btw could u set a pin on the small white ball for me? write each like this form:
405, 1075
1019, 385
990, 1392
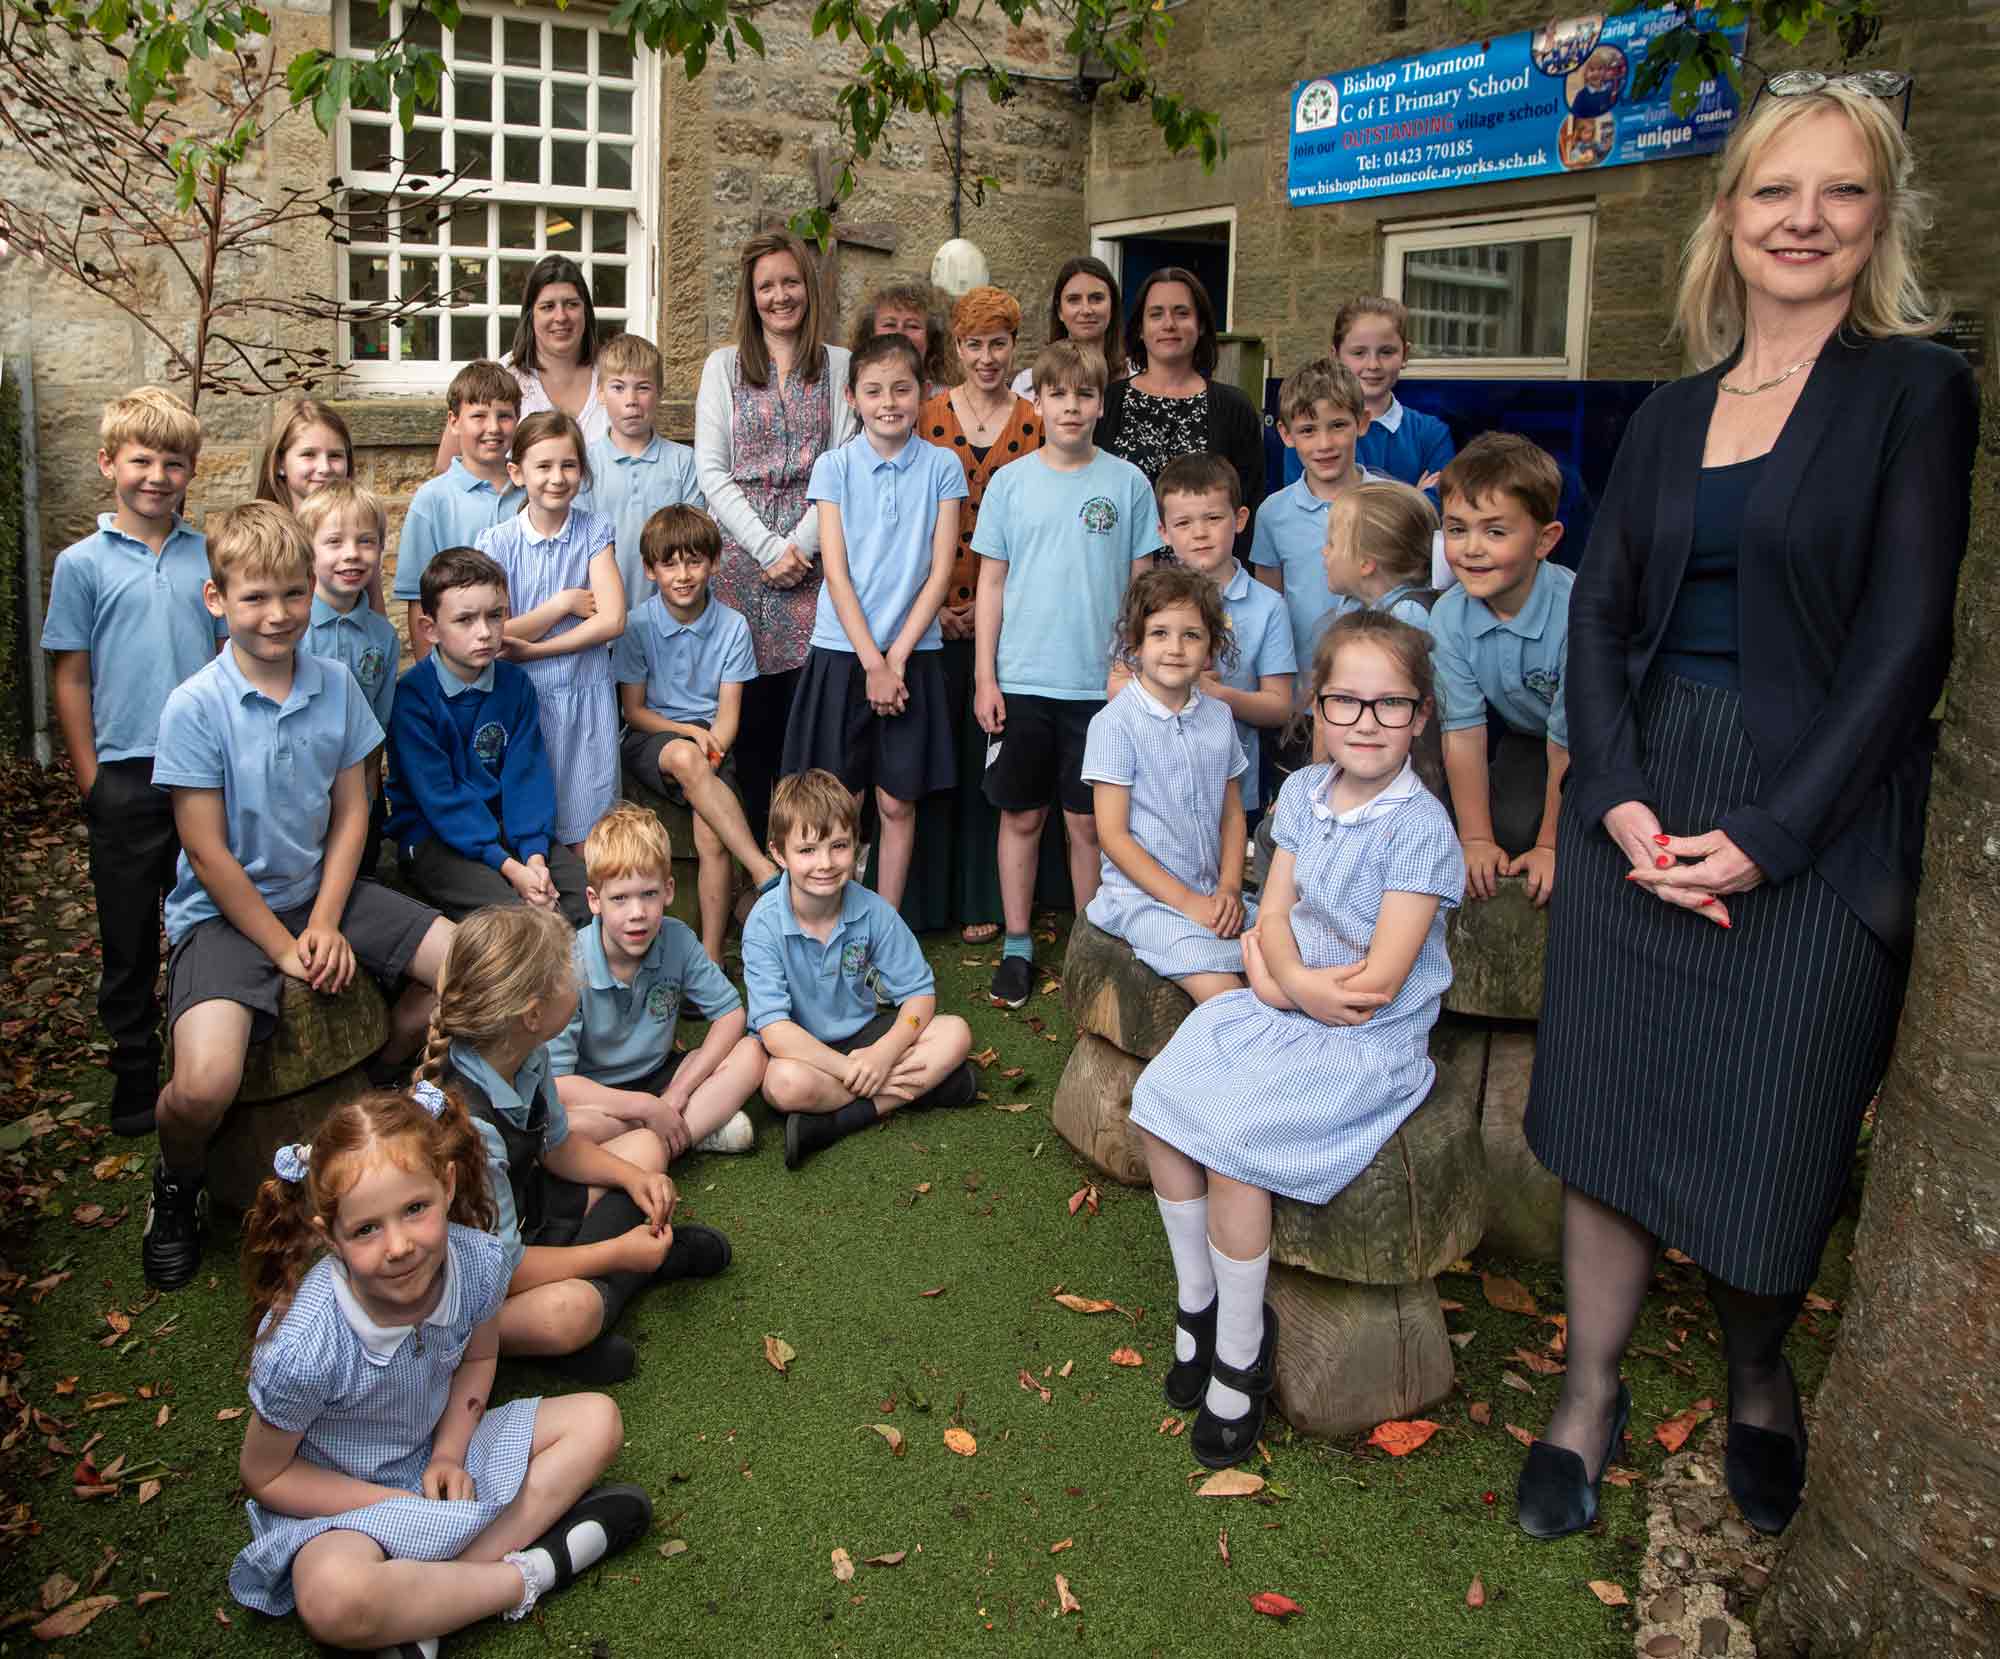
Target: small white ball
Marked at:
958, 267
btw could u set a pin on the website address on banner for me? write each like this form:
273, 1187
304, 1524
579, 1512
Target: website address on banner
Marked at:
1325, 189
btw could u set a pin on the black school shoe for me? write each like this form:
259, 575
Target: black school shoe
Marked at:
176, 1214
606, 1358
1220, 1442
696, 1253
1187, 1379
625, 1512
1013, 982
955, 1088
807, 1133
1556, 1494
1765, 1470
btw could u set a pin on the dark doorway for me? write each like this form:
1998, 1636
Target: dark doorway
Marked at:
1202, 249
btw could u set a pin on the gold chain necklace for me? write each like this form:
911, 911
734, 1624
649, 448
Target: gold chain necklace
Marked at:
1766, 385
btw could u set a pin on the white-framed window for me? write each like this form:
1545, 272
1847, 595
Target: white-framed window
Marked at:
1501, 295
545, 119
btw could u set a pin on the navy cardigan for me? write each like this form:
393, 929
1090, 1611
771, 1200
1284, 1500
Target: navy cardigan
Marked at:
1850, 552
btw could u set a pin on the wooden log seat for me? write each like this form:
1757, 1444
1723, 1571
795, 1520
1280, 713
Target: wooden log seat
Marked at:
679, 822
1524, 1202
1496, 947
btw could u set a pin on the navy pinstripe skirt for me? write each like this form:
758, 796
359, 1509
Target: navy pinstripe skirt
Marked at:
1707, 1082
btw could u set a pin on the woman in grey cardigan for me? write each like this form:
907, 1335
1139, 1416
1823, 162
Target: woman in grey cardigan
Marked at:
769, 404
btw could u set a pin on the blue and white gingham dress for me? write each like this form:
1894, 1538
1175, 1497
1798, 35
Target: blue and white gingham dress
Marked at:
578, 700
1272, 1097
373, 1416
1177, 767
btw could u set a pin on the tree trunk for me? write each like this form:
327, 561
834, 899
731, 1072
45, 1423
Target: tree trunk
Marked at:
1895, 1550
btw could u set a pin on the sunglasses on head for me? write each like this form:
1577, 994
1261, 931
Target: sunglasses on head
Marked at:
1872, 83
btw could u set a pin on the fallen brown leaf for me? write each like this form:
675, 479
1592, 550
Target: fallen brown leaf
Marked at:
104, 1402
1475, 1592
223, 1618
1127, 1357
1520, 1434
1060, 1545
673, 1547
1172, 1427
1084, 1304
1480, 1412
1619, 1475
1508, 1295
1065, 1602
892, 1434
1230, 1483
779, 1352
957, 1440
1540, 1364
1222, 1545
160, 1419
118, 1322
65, 1385
1069, 1365
146, 1598
1673, 1433
985, 1057
57, 1588
893, 1559
148, 1490
73, 1619
1612, 1595
1518, 1383
1399, 1439
843, 1565
936, 1290
229, 1414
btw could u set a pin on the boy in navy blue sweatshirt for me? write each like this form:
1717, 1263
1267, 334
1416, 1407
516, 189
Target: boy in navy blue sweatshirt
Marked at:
472, 795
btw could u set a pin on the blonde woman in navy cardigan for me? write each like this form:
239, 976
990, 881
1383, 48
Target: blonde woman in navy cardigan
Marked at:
1759, 631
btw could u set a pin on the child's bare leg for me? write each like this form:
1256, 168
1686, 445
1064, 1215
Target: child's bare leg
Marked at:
1084, 854
1203, 986
1175, 1175
1016, 850
210, 1040
551, 1319
576, 1438
933, 1057
596, 1124
1239, 1217
715, 803
724, 1091
410, 1018
794, 1086
896, 846
715, 886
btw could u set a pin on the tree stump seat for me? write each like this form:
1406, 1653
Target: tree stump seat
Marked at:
310, 1062
1497, 947
679, 823
1361, 1333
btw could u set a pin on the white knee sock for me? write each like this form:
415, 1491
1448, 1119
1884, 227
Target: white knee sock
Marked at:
1239, 1323
585, 1544
1186, 1222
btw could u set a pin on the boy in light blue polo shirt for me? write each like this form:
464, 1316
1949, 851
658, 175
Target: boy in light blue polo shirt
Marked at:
126, 624
474, 493
681, 666
1500, 642
263, 750
1321, 416
346, 524
633, 471
615, 1064
871, 706
1061, 534
840, 994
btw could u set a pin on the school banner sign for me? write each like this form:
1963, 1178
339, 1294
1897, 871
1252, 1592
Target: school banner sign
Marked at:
1557, 99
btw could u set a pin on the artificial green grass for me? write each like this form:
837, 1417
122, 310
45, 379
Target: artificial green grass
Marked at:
763, 1475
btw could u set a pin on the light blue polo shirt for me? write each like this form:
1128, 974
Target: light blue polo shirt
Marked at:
448, 511
888, 517
1515, 666
629, 489
140, 616
1068, 540
621, 1032
1263, 633
365, 640
833, 989
274, 763
684, 665
1289, 535
512, 1097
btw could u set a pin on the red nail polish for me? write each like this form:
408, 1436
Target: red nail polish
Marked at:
1726, 922
1664, 862
1662, 840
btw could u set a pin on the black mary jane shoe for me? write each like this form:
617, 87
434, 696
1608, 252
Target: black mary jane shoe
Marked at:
1556, 1495
1187, 1379
623, 1511
1221, 1442
1765, 1470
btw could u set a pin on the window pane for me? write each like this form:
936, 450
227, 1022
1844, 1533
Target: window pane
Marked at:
572, 49
424, 147
421, 221
607, 287
564, 230
472, 40
523, 102
614, 167
368, 343
418, 279
368, 277
614, 57
468, 281
572, 107
607, 231
517, 225
468, 338
1489, 299
367, 25
567, 168
368, 146
472, 155
420, 339
524, 44
524, 160
474, 95
614, 111
513, 282
368, 217
466, 228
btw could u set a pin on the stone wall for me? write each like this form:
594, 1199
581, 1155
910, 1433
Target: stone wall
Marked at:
1294, 266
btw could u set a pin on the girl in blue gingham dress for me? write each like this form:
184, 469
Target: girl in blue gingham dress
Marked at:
1164, 763
567, 605
387, 1504
1292, 1085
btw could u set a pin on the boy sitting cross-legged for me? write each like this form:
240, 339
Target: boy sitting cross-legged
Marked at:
821, 954
681, 665
126, 624
263, 750
615, 1064
473, 799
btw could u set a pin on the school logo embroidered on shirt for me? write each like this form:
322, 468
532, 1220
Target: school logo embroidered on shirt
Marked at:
489, 743
1099, 515
854, 958
370, 668
1544, 683
660, 1002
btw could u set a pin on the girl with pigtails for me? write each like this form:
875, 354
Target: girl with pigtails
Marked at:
388, 1505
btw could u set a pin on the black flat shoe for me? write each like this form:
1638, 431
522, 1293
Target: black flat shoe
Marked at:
1765, 1470
1187, 1379
624, 1512
606, 1358
696, 1253
1556, 1494
805, 1134
1221, 1442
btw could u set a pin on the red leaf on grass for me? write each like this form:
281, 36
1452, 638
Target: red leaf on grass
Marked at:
1399, 1439
1269, 1602
1127, 1356
1475, 1592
